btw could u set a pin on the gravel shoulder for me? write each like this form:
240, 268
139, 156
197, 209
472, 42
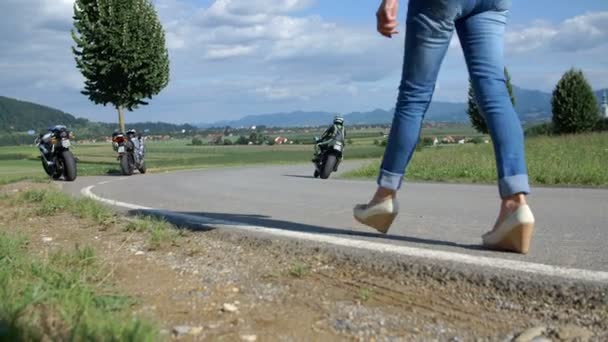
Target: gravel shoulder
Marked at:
227, 286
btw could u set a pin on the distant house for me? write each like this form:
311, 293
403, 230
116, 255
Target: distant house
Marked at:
281, 140
215, 139
448, 140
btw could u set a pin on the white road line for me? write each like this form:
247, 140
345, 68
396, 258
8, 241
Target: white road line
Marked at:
497, 263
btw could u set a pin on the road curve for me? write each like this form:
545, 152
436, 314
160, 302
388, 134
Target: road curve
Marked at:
436, 220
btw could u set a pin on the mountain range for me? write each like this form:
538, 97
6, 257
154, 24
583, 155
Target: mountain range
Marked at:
532, 106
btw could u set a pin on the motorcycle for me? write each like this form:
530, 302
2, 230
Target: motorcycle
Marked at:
328, 158
130, 153
57, 159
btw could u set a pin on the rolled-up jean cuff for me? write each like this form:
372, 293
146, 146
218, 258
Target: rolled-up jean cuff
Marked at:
513, 185
390, 180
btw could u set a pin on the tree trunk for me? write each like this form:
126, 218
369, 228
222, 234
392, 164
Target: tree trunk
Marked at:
121, 118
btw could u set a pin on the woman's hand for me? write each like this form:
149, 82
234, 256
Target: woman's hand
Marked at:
387, 17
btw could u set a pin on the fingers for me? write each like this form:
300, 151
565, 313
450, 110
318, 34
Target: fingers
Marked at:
387, 27
387, 19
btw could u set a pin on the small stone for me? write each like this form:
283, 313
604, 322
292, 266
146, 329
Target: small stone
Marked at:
530, 334
181, 330
140, 253
231, 308
164, 332
196, 331
249, 338
572, 332
235, 290
47, 239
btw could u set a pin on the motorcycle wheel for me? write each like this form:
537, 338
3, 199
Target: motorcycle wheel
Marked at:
69, 166
328, 166
126, 164
142, 168
49, 170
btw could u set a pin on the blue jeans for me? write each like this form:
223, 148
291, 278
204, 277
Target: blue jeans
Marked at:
480, 25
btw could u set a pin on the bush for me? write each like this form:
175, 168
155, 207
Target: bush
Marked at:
349, 141
602, 125
540, 129
477, 140
196, 141
242, 140
227, 142
575, 107
376, 142
383, 143
427, 141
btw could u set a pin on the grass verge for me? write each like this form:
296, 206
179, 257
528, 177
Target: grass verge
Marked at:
566, 160
66, 295
61, 298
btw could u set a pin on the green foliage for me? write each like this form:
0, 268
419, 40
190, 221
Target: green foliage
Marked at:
426, 141
197, 141
545, 128
477, 140
21, 116
242, 140
575, 107
602, 125
477, 119
120, 50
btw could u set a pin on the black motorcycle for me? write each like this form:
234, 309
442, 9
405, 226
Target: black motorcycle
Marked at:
328, 158
130, 154
57, 159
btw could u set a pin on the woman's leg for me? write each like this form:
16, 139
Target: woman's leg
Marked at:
426, 42
482, 40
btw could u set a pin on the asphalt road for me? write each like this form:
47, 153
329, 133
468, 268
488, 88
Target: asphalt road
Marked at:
571, 231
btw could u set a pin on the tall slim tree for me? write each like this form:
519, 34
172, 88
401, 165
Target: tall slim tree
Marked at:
477, 120
120, 50
575, 107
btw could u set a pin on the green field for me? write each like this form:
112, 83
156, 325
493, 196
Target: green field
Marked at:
19, 162
565, 160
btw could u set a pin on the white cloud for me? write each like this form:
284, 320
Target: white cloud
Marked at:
236, 57
224, 52
587, 31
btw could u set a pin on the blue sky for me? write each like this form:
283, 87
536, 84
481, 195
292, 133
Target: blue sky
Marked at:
232, 58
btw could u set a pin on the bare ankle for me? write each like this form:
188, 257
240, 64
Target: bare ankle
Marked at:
383, 194
514, 201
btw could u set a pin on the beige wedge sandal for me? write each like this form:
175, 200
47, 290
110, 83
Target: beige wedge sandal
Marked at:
379, 216
514, 233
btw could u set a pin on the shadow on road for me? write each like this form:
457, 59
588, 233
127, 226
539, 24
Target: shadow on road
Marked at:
299, 176
201, 221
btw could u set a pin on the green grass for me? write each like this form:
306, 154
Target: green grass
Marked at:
22, 162
160, 232
52, 202
62, 298
65, 297
365, 294
566, 160
298, 270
